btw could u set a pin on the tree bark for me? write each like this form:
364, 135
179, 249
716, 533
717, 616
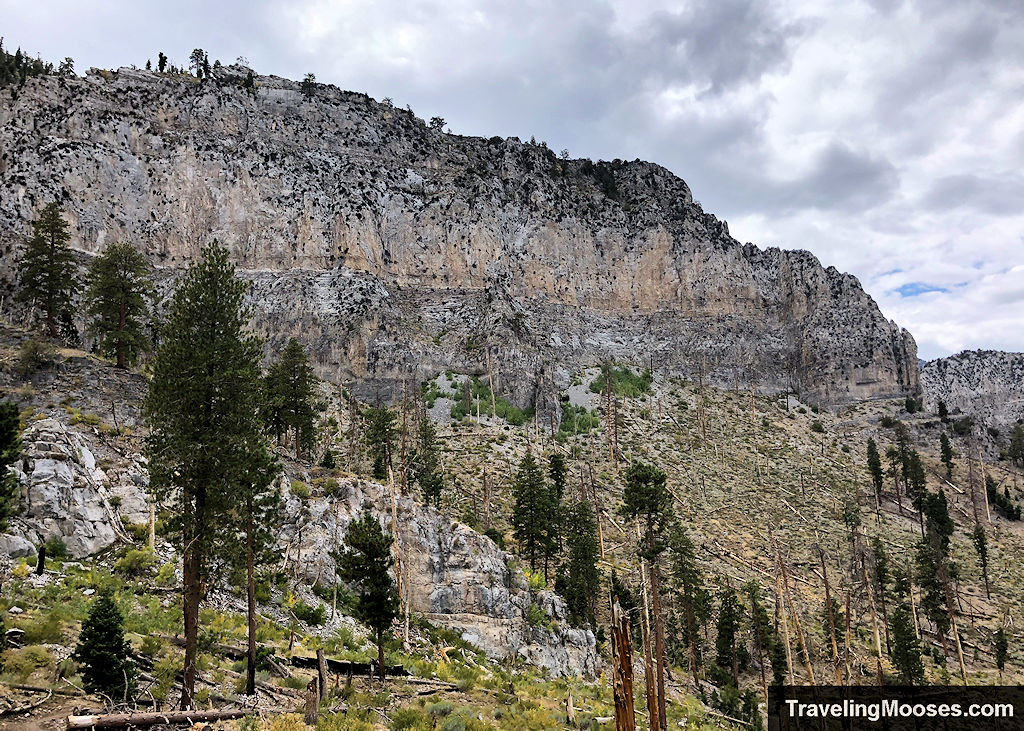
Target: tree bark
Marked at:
121, 720
250, 596
622, 671
191, 570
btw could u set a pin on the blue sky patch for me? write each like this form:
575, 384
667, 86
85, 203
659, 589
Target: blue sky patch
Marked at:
913, 289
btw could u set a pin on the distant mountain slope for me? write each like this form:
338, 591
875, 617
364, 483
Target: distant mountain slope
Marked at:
987, 383
396, 250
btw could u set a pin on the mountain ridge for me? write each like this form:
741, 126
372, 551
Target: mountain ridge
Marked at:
398, 250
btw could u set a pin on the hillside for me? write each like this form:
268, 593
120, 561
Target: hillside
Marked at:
396, 250
756, 480
986, 383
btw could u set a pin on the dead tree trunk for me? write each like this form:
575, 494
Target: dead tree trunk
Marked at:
622, 670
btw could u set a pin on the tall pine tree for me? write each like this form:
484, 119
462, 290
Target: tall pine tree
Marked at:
532, 512
364, 565
47, 271
205, 440
296, 382
380, 439
117, 301
579, 581
426, 467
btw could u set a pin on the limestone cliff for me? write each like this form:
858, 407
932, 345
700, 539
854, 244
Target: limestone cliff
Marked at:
986, 383
396, 250
457, 578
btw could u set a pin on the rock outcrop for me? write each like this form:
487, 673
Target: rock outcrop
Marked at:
397, 251
986, 383
457, 578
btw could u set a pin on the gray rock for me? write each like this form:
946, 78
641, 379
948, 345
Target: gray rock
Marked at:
396, 252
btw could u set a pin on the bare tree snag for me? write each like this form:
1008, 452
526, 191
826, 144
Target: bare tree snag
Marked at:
831, 620
321, 673
622, 670
796, 623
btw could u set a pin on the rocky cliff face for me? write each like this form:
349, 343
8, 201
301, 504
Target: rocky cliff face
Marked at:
457, 578
986, 383
397, 251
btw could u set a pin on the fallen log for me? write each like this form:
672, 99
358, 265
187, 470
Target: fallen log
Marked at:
120, 720
40, 689
346, 667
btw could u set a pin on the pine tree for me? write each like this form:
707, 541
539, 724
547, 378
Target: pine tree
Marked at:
10, 452
426, 469
380, 439
875, 467
104, 653
730, 613
532, 511
687, 582
161, 62
293, 383
943, 411
906, 650
1016, 450
255, 522
557, 471
981, 546
947, 454
47, 271
364, 566
204, 442
579, 580
308, 86
646, 498
117, 301
1002, 650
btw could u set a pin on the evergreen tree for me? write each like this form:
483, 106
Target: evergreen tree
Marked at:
47, 271
426, 468
875, 467
1016, 450
729, 616
104, 653
204, 442
255, 520
380, 439
579, 580
627, 600
308, 86
294, 382
161, 62
916, 480
906, 650
532, 511
981, 546
117, 301
10, 452
364, 566
557, 472
646, 498
767, 643
690, 592
943, 411
195, 61
1002, 650
271, 407
947, 454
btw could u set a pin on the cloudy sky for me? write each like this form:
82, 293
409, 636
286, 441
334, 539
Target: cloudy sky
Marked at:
885, 136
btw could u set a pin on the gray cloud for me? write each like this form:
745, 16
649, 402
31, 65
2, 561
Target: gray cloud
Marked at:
996, 196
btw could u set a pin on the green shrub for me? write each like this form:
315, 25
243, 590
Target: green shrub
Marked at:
165, 576
300, 489
136, 562
310, 615
22, 663
33, 355
151, 646
42, 630
623, 381
56, 548
410, 719
816, 426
